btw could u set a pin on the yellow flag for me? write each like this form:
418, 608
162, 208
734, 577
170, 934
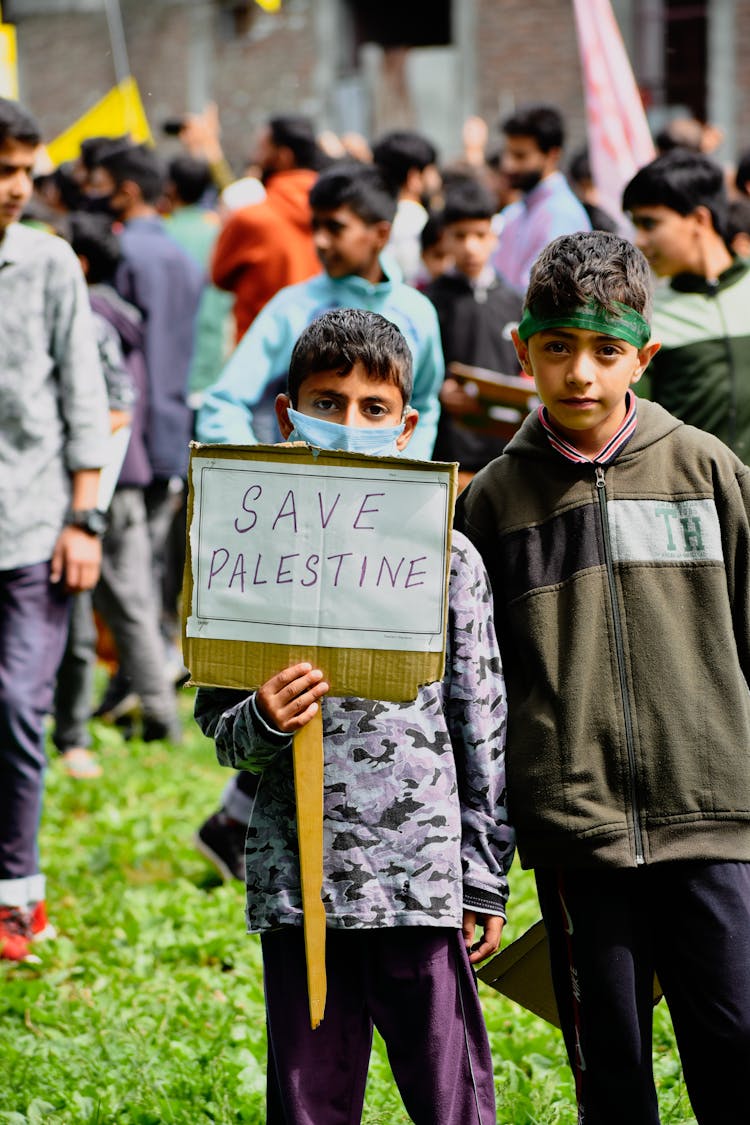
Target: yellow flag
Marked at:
269, 5
8, 62
119, 111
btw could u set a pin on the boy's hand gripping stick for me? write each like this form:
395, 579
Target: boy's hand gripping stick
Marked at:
308, 785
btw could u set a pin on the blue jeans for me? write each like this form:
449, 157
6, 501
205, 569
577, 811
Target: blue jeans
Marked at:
33, 631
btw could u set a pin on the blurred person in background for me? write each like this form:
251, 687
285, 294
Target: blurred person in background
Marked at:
268, 245
54, 438
407, 160
679, 207
195, 227
582, 182
477, 311
165, 284
123, 595
531, 155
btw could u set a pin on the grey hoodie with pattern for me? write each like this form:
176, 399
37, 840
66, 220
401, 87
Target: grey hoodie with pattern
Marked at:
415, 826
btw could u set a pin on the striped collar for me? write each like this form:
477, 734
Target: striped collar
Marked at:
608, 452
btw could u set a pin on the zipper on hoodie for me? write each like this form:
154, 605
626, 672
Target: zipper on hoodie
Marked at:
601, 492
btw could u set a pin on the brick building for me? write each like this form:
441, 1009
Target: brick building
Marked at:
370, 64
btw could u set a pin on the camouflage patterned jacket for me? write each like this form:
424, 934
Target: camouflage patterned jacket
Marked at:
415, 827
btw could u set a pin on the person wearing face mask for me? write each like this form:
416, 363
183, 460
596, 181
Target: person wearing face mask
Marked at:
408, 910
548, 208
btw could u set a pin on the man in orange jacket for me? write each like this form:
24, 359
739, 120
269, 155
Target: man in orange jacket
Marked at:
268, 245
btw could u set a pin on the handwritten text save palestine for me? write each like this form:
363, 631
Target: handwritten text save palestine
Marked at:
238, 570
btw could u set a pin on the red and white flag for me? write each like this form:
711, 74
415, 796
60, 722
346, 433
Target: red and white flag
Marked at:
619, 138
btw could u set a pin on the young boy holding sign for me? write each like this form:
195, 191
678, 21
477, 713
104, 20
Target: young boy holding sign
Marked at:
417, 839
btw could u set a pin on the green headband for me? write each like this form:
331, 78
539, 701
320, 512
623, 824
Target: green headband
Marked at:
625, 323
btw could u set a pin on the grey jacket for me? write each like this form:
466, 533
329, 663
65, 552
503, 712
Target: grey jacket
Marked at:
415, 827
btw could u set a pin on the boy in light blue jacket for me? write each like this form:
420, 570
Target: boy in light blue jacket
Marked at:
352, 214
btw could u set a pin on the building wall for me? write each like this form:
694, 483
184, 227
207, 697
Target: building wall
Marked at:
527, 52
742, 75
66, 64
508, 52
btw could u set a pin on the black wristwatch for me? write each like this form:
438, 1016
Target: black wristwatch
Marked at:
90, 520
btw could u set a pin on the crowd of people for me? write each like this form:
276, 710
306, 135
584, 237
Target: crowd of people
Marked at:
145, 302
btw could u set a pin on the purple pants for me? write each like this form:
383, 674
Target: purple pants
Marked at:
609, 931
33, 630
415, 984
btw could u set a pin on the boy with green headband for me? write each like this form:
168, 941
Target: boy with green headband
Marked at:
617, 540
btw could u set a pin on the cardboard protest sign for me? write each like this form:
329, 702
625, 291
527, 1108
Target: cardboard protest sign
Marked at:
333, 557
521, 972
336, 558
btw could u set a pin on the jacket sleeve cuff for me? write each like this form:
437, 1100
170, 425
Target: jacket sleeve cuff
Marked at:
483, 902
268, 733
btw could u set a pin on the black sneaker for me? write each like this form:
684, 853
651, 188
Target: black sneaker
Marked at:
155, 730
118, 702
222, 841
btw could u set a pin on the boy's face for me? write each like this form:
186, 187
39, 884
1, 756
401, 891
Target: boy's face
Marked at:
670, 242
350, 400
16, 167
582, 378
471, 242
438, 258
347, 244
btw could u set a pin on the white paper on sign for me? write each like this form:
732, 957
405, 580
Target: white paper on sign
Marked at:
340, 556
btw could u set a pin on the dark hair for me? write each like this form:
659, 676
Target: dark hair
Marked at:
467, 199
191, 177
680, 132
396, 153
360, 187
432, 231
739, 218
17, 125
65, 183
589, 266
542, 122
579, 169
296, 132
92, 237
140, 165
94, 149
340, 338
742, 179
682, 181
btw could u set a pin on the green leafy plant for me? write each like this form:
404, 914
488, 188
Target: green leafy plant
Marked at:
148, 1007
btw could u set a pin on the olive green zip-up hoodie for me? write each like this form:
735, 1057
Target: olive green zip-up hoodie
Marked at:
622, 602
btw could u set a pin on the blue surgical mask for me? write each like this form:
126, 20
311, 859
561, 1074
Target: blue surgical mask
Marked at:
379, 441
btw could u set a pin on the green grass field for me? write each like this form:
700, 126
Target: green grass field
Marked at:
148, 1008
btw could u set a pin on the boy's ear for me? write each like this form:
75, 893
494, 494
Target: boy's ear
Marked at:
411, 417
645, 355
131, 190
522, 350
382, 231
703, 217
281, 406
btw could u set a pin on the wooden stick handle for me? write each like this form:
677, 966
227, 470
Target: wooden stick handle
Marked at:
308, 784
